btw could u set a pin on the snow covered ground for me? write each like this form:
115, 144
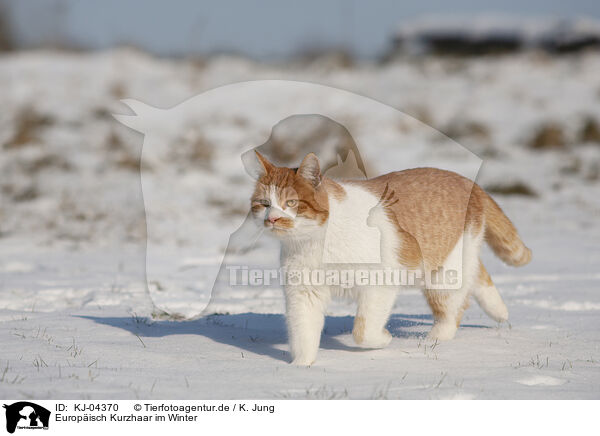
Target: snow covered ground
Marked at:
75, 315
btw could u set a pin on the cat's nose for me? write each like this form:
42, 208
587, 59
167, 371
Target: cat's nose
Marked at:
272, 219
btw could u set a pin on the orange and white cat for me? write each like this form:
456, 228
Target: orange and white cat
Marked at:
420, 219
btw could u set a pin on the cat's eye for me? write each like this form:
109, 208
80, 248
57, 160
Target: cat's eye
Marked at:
291, 203
262, 202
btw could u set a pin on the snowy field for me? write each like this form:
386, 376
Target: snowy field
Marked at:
76, 317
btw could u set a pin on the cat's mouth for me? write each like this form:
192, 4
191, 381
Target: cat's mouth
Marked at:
280, 225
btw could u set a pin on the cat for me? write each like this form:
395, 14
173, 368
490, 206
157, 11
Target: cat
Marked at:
420, 219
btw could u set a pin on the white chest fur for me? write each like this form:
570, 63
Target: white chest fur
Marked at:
356, 233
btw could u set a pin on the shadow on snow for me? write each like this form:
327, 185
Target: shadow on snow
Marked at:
260, 333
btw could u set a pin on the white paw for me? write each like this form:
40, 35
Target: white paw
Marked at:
501, 313
380, 340
442, 332
303, 361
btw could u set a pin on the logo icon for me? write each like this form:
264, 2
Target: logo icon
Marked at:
26, 415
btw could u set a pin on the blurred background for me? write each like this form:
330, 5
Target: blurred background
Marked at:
274, 30
517, 83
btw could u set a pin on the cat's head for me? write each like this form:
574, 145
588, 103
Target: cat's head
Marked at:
290, 203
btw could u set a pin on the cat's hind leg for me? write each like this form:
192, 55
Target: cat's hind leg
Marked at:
487, 296
450, 298
374, 307
448, 307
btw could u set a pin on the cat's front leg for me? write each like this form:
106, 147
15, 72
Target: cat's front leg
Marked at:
305, 316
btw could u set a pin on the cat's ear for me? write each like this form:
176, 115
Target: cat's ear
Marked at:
256, 164
310, 170
266, 166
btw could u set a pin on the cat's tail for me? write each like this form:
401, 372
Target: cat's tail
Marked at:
501, 235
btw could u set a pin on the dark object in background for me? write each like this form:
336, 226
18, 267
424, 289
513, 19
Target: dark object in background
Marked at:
558, 46
547, 136
477, 36
464, 45
511, 188
590, 132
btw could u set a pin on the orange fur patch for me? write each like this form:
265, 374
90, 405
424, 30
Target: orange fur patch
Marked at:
334, 189
437, 303
432, 210
484, 276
